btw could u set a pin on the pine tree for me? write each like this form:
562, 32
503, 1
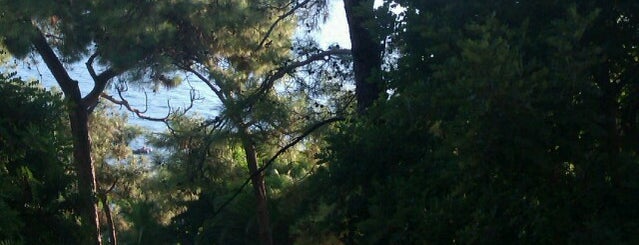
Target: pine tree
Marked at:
129, 39
509, 122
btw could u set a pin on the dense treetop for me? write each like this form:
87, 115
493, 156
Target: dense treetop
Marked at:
479, 122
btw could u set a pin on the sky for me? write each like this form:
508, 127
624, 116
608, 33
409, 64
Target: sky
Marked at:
335, 30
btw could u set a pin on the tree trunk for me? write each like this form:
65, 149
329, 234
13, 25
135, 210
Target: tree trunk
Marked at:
109, 218
366, 50
79, 120
257, 180
78, 117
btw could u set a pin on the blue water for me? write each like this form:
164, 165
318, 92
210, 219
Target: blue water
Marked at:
157, 100
142, 96
334, 30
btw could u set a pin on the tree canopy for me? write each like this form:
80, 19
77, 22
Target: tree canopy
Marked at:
35, 178
508, 122
449, 122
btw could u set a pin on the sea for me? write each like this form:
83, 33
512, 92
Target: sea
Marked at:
157, 101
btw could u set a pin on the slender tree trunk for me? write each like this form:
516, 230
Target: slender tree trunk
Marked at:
109, 218
78, 117
259, 188
79, 120
366, 50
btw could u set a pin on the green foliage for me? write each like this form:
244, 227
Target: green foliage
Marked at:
204, 169
36, 200
120, 174
111, 135
4, 55
145, 40
255, 115
198, 172
508, 123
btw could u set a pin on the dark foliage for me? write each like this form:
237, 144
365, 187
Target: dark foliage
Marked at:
36, 191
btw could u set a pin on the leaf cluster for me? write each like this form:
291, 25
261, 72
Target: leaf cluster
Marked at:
36, 178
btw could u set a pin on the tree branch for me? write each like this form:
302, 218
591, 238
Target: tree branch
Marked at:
125, 103
272, 159
100, 82
279, 73
140, 114
68, 85
279, 19
107, 191
206, 81
89, 65
315, 57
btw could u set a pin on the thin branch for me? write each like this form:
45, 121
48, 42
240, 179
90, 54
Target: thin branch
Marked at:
140, 114
267, 5
297, 140
146, 102
112, 186
89, 65
206, 81
207, 145
279, 19
100, 81
192, 97
125, 103
315, 57
282, 71
272, 159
